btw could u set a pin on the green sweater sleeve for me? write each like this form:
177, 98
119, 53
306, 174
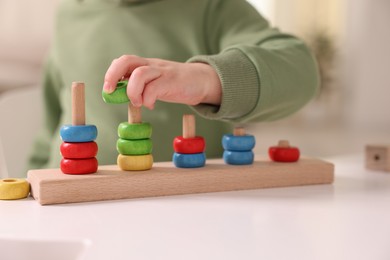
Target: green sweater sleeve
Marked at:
265, 74
52, 111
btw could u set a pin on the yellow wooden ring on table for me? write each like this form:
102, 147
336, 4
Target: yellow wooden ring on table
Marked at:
14, 189
135, 162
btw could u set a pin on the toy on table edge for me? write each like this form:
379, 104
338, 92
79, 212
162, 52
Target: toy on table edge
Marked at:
189, 148
134, 144
14, 188
377, 157
283, 152
238, 147
51, 186
78, 148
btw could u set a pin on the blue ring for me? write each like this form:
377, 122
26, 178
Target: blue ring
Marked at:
238, 143
194, 160
238, 158
78, 133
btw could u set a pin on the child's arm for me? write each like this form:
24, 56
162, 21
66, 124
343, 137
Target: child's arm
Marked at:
156, 79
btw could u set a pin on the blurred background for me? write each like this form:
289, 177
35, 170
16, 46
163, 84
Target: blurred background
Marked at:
350, 38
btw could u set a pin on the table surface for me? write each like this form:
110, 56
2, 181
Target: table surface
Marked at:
347, 220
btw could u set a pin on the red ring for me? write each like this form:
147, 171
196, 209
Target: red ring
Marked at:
193, 145
79, 166
78, 150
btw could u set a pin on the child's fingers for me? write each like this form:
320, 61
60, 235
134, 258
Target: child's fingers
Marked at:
151, 93
140, 77
119, 68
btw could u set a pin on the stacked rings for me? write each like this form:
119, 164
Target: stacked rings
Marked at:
189, 152
134, 146
78, 149
238, 149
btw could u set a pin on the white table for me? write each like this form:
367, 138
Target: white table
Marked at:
347, 220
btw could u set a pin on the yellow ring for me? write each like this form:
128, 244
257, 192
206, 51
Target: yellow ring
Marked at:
14, 189
135, 162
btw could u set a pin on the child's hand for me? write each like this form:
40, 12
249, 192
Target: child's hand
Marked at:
156, 79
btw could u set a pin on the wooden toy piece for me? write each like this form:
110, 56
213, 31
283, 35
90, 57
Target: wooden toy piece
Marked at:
183, 145
234, 142
134, 131
189, 129
79, 166
119, 95
134, 114
78, 150
194, 160
135, 162
134, 144
284, 152
50, 186
78, 103
13, 189
189, 148
238, 147
238, 157
377, 157
134, 147
78, 133
239, 131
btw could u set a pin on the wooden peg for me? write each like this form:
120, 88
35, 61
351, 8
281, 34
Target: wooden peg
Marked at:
78, 103
134, 114
239, 131
283, 143
189, 126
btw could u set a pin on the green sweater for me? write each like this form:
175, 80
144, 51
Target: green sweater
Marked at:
265, 74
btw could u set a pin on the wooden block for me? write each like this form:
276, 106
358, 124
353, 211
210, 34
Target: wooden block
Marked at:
378, 157
50, 186
78, 103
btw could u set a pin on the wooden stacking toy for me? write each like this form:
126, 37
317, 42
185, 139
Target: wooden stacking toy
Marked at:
78, 148
134, 144
238, 147
189, 148
283, 152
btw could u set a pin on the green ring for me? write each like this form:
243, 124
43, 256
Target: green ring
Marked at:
134, 131
134, 147
119, 95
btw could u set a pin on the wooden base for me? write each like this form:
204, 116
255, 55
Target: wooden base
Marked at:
51, 186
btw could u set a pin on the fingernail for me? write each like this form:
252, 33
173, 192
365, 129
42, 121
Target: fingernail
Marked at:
107, 87
136, 103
